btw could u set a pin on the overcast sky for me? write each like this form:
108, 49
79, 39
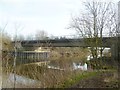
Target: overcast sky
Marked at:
52, 16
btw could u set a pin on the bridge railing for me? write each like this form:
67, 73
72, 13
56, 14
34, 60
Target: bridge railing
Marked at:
80, 36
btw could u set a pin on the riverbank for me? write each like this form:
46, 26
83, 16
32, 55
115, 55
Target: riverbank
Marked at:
60, 79
104, 79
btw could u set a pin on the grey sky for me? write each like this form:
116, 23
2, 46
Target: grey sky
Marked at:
52, 16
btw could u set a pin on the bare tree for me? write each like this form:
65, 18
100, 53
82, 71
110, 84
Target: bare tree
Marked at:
99, 18
41, 35
5, 42
20, 37
5, 57
29, 37
18, 28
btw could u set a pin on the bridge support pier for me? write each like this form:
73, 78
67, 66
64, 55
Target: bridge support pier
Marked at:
115, 51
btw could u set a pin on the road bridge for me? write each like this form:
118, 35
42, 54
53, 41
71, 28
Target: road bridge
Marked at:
111, 42
106, 42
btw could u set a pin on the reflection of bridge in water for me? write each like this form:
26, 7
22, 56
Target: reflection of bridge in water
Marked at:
111, 42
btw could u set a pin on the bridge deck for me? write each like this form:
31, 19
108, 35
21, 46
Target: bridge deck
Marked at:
106, 42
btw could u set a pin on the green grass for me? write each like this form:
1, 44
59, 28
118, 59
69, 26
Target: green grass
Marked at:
76, 78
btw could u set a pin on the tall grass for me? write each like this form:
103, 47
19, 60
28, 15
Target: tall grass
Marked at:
50, 77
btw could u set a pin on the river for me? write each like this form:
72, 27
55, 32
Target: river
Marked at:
8, 81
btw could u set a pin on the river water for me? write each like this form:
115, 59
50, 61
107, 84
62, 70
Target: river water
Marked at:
8, 81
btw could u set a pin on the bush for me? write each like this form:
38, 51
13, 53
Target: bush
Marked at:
102, 63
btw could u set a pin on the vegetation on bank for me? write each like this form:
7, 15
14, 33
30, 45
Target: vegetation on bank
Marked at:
103, 63
82, 76
103, 79
55, 78
75, 78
